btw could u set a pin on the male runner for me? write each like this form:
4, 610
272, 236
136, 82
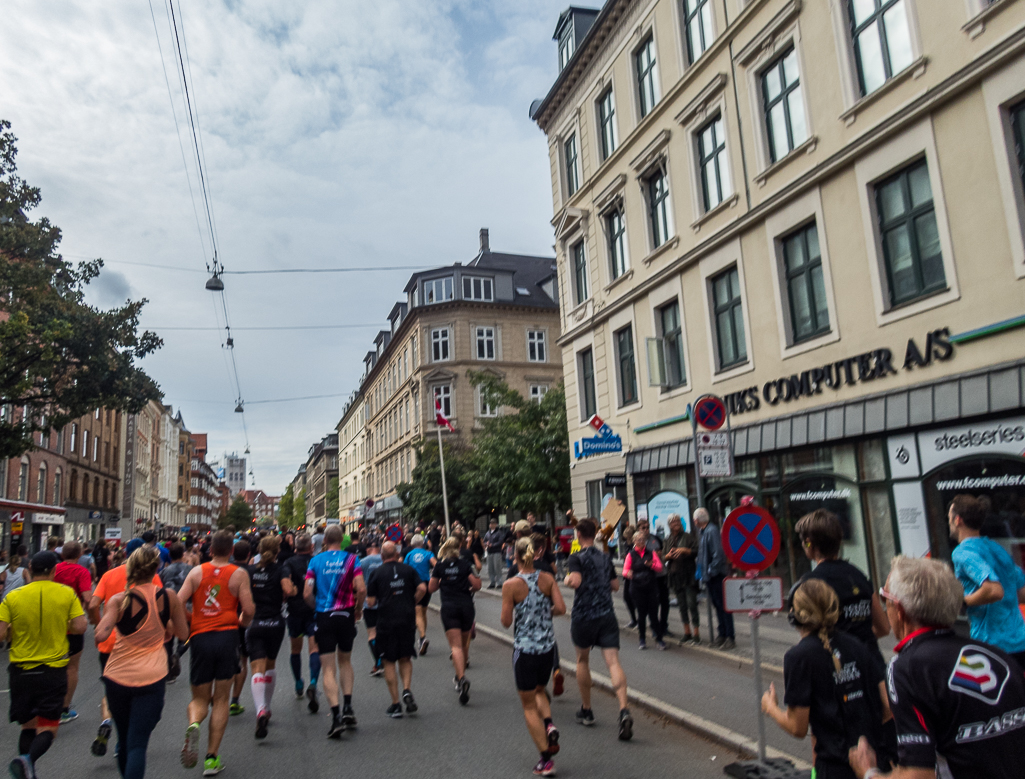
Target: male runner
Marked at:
369, 564
301, 619
422, 561
395, 588
217, 589
593, 623
335, 590
73, 575
41, 615
240, 555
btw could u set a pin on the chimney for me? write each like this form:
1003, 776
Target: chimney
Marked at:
485, 244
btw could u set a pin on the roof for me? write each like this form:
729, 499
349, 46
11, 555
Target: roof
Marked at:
528, 272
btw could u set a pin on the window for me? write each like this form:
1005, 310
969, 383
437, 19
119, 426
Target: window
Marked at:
478, 289
658, 208
443, 393
96, 449
607, 124
806, 290
41, 484
698, 23
715, 175
729, 319
538, 391
57, 484
438, 290
439, 344
911, 242
485, 343
60, 441
85, 443
96, 414
413, 349
627, 371
1017, 113
585, 366
485, 409
536, 346
579, 271
784, 106
74, 438
672, 344
647, 87
882, 41
566, 44
572, 171
615, 232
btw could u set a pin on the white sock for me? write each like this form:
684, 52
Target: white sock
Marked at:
259, 692
270, 677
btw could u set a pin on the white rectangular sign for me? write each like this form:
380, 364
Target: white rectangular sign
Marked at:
912, 527
999, 436
714, 462
47, 519
762, 594
112, 534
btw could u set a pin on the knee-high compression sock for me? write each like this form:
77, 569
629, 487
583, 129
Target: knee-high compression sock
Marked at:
297, 666
259, 684
25, 740
40, 744
314, 667
270, 677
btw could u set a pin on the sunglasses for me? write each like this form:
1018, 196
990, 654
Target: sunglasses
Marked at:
885, 596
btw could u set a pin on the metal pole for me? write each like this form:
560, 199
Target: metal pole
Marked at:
758, 685
701, 504
444, 489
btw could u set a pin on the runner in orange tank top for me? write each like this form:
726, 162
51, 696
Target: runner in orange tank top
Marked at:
221, 602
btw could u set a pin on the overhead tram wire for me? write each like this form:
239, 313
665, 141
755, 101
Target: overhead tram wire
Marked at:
265, 271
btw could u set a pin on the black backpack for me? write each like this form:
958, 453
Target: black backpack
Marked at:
643, 575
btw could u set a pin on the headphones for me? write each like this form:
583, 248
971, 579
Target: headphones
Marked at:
791, 615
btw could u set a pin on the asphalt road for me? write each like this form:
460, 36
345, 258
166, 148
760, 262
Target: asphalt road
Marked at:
487, 738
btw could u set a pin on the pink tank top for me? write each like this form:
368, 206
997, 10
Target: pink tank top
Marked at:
139, 659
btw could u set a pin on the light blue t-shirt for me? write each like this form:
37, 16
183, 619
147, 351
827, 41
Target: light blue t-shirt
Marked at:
976, 561
420, 561
369, 564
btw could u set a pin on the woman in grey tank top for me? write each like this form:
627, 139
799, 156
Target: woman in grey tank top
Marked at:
529, 601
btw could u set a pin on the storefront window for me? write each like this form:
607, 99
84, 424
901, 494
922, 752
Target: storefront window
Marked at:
837, 459
837, 495
880, 521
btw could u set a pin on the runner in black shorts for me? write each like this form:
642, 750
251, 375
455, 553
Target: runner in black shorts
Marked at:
455, 577
370, 563
240, 557
267, 631
301, 619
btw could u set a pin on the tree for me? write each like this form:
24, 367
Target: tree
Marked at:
238, 514
520, 460
60, 358
421, 498
286, 509
299, 510
332, 497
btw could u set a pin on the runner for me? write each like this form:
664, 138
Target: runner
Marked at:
240, 556
456, 579
422, 561
217, 590
395, 588
593, 623
336, 590
532, 598
135, 674
544, 561
267, 631
39, 617
15, 575
70, 573
301, 619
368, 565
173, 577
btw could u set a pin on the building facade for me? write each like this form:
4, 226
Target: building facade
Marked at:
814, 211
92, 450
264, 506
235, 473
352, 460
321, 474
204, 498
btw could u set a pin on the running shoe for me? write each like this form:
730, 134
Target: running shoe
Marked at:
395, 711
642, 645
662, 646
585, 716
213, 766
687, 638
407, 698
68, 715
21, 768
311, 696
377, 671
262, 720
464, 691
632, 625
176, 668
626, 725
348, 716
299, 689
99, 746
235, 709
190, 752
455, 683
337, 726
558, 682
696, 640
424, 643
728, 644
544, 768
553, 738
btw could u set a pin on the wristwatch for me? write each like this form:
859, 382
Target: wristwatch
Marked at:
872, 772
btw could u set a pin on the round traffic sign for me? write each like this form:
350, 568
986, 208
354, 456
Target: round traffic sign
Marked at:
710, 412
750, 538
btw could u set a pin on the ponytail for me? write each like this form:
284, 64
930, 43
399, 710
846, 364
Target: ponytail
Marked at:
269, 547
816, 608
142, 566
525, 552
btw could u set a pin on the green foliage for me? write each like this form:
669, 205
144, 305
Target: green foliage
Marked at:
286, 509
332, 498
299, 510
61, 358
238, 514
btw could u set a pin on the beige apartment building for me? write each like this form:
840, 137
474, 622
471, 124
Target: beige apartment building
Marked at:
352, 459
814, 211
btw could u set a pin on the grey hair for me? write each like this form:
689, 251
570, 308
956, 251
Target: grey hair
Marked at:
417, 541
701, 516
674, 518
927, 590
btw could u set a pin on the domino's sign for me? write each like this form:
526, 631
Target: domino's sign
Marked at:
606, 442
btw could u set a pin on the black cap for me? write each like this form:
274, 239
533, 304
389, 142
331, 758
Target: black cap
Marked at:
44, 561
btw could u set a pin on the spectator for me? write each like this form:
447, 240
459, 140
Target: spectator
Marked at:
494, 540
713, 565
640, 568
993, 584
661, 578
681, 553
958, 703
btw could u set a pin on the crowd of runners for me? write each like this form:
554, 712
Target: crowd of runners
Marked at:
945, 705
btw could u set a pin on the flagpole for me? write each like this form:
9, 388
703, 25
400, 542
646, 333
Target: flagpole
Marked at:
444, 489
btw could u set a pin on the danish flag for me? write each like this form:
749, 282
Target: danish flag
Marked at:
439, 416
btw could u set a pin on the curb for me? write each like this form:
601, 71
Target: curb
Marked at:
693, 722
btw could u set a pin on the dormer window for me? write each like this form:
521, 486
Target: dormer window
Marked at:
566, 44
438, 290
476, 288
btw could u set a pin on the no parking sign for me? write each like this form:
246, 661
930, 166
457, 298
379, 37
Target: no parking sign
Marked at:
750, 538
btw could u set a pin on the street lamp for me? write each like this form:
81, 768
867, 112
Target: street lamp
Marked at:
238, 408
214, 283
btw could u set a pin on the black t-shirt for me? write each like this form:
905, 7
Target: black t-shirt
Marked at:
266, 586
593, 598
546, 563
295, 569
959, 700
844, 705
394, 585
454, 579
434, 539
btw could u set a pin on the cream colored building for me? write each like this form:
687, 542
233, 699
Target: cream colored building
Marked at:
352, 459
816, 212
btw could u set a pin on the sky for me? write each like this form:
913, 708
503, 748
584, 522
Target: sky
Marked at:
335, 134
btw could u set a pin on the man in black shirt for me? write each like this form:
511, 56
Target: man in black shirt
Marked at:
395, 589
959, 704
302, 620
593, 622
